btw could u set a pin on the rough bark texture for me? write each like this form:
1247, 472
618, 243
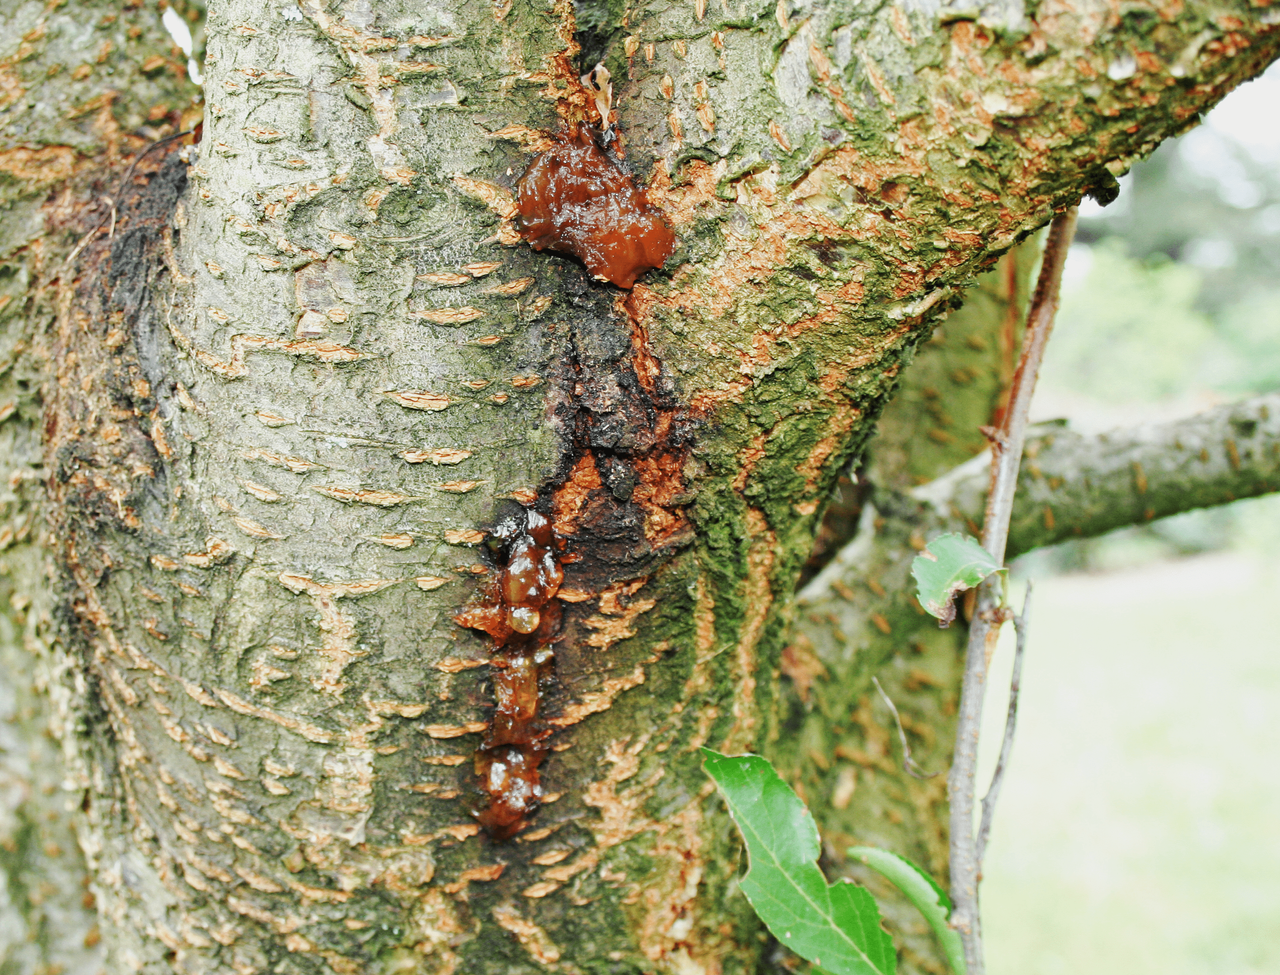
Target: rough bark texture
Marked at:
82, 86
289, 377
959, 381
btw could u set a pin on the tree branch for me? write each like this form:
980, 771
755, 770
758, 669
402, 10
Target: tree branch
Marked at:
1091, 484
1008, 442
1076, 486
1010, 726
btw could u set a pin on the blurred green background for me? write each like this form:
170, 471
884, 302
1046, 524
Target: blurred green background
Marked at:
1139, 827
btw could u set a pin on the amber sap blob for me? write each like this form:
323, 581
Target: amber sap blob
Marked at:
520, 613
574, 199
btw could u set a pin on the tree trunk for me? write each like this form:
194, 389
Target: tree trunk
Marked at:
280, 396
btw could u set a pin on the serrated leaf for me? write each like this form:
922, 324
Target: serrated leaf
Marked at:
923, 892
835, 926
950, 564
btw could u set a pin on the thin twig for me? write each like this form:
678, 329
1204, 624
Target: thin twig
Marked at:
1006, 452
990, 613
908, 763
1010, 726
111, 200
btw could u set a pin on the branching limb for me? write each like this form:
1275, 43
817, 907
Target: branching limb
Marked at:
1077, 486
1091, 484
1071, 485
1074, 485
1010, 726
1006, 448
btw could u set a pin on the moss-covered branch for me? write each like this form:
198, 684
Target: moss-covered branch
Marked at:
1074, 485
1070, 485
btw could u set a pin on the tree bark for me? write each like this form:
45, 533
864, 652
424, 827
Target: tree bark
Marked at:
277, 388
83, 86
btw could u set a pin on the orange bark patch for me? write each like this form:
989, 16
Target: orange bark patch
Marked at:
610, 630
680, 202
802, 666
48, 164
570, 498
661, 481
837, 429
600, 700
758, 598
669, 896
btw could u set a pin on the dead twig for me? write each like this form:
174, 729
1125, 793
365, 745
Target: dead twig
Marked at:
990, 613
112, 200
908, 763
1010, 725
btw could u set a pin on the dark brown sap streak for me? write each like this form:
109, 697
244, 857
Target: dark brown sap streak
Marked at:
573, 198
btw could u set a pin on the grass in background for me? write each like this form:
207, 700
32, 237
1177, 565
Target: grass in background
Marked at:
1137, 831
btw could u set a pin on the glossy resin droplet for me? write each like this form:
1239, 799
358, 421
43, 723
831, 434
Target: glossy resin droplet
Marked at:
520, 613
574, 199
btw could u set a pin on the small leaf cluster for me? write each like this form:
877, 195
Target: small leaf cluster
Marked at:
834, 926
949, 565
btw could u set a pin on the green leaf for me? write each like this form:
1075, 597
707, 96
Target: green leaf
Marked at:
835, 926
948, 565
923, 891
